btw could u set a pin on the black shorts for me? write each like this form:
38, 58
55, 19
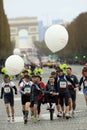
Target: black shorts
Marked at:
24, 99
34, 101
64, 98
72, 94
9, 99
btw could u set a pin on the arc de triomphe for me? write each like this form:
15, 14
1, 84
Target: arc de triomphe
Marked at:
30, 24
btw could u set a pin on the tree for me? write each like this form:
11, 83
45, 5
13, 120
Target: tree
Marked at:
5, 43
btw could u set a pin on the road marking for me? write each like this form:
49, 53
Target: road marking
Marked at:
17, 99
80, 93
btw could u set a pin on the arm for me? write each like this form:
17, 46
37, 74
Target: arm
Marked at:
80, 83
71, 81
20, 88
12, 84
15, 89
76, 83
2, 92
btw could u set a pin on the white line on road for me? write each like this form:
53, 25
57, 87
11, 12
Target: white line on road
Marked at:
17, 99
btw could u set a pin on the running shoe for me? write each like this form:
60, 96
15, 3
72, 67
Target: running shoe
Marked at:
67, 115
60, 114
9, 119
35, 120
13, 118
25, 121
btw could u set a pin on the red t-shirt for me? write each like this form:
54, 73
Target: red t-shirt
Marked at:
42, 85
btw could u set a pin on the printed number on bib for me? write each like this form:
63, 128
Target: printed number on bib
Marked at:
27, 90
85, 83
62, 84
7, 90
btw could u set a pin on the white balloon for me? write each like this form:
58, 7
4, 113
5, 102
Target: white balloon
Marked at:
56, 37
16, 51
14, 64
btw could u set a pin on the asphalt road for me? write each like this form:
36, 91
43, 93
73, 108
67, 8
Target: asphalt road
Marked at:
79, 122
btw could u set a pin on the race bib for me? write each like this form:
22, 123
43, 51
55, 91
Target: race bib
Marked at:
85, 82
27, 90
7, 90
62, 84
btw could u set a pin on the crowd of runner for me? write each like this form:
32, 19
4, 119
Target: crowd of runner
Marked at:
60, 90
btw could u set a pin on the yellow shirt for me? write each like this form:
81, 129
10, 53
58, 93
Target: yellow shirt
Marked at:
64, 67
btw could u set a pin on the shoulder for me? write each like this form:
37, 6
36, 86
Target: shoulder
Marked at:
31, 83
73, 76
3, 84
21, 84
12, 83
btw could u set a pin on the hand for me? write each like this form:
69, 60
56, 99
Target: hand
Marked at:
75, 89
1, 97
16, 92
51, 92
56, 94
79, 88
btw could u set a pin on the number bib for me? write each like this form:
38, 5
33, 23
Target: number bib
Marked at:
7, 90
27, 90
85, 82
62, 84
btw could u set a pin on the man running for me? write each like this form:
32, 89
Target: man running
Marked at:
72, 90
7, 91
25, 90
83, 81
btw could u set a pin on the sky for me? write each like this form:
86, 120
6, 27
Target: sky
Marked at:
45, 10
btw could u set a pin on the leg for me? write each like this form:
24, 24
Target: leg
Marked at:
12, 112
35, 110
23, 105
67, 97
70, 104
85, 98
26, 112
39, 108
7, 106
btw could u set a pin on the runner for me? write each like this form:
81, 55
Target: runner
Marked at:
25, 89
72, 90
42, 86
55, 75
7, 91
83, 81
35, 90
85, 66
62, 89
51, 93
